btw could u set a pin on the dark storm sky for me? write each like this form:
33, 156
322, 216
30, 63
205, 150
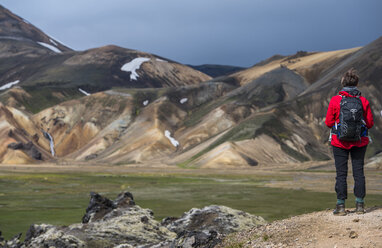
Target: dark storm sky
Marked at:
234, 32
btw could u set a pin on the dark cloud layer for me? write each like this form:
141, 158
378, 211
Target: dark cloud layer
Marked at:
240, 32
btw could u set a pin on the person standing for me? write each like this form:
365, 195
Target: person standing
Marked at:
349, 116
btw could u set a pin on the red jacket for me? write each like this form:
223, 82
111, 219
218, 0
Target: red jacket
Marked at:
333, 116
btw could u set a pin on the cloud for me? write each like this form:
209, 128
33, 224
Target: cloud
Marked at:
239, 32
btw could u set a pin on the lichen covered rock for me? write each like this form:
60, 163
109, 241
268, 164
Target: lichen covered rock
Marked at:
122, 224
106, 224
207, 227
221, 219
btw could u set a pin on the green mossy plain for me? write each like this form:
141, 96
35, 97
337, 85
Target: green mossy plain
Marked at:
61, 199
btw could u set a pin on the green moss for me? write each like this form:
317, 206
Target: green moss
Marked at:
194, 116
316, 155
293, 153
274, 128
265, 237
245, 130
42, 98
375, 147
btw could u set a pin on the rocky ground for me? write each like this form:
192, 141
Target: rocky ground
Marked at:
319, 229
123, 224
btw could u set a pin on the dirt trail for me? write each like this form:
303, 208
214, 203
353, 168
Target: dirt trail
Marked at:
318, 229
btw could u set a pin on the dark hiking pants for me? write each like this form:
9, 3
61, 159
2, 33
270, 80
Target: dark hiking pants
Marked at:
341, 156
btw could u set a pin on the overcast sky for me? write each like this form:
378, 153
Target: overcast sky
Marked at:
233, 32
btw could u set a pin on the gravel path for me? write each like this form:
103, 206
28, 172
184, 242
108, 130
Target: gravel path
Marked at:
318, 229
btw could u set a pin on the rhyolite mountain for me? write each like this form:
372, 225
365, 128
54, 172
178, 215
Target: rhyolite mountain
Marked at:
162, 112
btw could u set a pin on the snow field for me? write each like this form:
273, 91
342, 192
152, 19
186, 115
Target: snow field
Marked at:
173, 141
84, 92
133, 66
9, 85
53, 48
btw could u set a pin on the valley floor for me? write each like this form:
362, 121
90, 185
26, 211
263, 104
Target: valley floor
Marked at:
312, 176
58, 193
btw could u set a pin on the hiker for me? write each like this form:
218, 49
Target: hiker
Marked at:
349, 116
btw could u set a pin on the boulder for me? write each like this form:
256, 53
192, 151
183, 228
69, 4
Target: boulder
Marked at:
106, 224
207, 226
98, 207
221, 219
13, 243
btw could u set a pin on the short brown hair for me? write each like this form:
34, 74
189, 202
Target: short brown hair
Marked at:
350, 78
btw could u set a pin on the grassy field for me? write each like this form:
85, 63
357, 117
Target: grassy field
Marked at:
61, 199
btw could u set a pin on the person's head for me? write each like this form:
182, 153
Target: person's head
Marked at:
350, 78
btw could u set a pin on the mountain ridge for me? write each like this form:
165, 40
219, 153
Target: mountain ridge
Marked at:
113, 105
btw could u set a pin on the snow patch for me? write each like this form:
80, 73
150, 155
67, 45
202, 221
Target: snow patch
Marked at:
53, 48
53, 42
161, 60
26, 21
145, 102
183, 100
9, 85
84, 92
134, 65
56, 40
173, 141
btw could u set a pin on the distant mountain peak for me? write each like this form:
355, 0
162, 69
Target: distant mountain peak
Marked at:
13, 27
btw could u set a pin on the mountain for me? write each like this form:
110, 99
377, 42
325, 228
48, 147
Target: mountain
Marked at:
18, 37
284, 130
310, 65
51, 72
217, 70
112, 105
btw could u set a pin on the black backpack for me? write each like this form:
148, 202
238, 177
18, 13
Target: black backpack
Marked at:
351, 119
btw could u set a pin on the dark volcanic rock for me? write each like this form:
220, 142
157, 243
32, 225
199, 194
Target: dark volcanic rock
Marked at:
98, 207
13, 243
124, 199
207, 226
29, 148
200, 239
16, 146
34, 231
221, 219
108, 224
168, 220
91, 156
34, 153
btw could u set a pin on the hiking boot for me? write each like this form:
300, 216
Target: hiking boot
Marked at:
359, 207
339, 210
